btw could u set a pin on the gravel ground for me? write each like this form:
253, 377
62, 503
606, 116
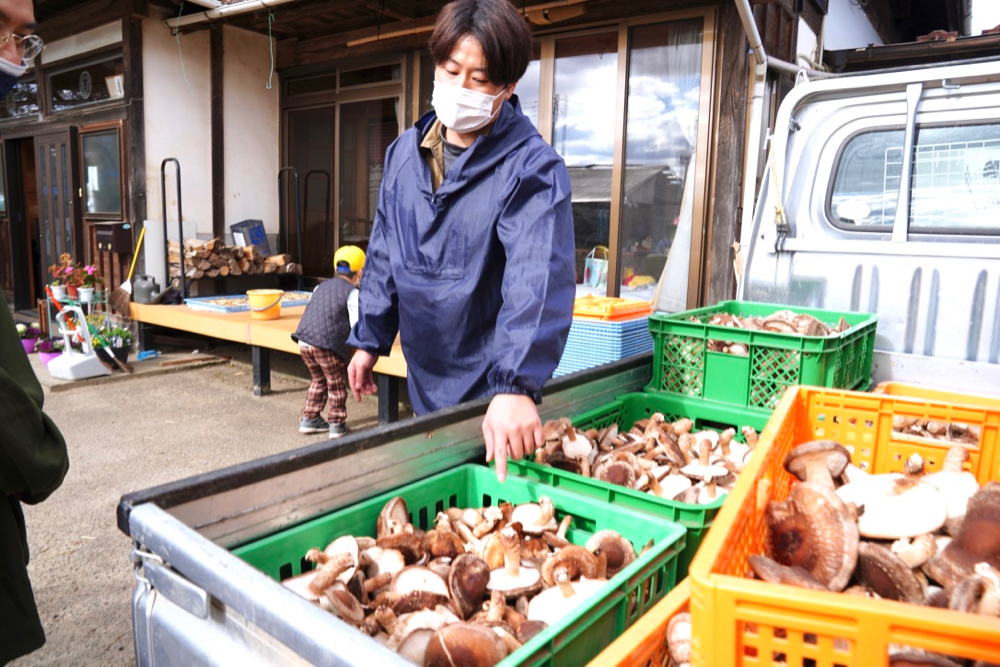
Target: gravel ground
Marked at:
129, 434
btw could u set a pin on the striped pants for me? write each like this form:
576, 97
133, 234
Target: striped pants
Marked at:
329, 379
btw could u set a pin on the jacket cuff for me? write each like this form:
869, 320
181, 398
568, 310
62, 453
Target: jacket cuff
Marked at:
519, 391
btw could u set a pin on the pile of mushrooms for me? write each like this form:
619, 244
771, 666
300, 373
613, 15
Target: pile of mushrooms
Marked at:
958, 432
782, 321
470, 590
665, 459
916, 537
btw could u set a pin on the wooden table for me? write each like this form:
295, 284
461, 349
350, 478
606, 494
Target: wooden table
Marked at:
263, 336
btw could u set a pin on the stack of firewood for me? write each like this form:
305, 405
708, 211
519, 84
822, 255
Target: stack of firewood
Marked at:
212, 259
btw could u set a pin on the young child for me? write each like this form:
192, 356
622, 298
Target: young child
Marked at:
322, 338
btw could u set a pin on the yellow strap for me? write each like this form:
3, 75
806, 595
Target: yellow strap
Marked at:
780, 219
142, 232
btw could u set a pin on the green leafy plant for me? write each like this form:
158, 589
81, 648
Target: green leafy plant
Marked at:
74, 274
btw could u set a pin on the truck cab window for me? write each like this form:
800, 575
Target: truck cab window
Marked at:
955, 185
866, 187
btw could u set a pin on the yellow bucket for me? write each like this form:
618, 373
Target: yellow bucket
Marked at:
265, 304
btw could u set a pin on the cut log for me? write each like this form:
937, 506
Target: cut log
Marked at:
270, 268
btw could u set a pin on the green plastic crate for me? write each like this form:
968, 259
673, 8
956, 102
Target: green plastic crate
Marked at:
625, 411
580, 635
682, 363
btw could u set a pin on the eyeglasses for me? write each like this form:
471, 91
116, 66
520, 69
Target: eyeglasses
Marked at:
28, 46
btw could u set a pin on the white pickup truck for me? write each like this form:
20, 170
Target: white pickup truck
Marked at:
890, 188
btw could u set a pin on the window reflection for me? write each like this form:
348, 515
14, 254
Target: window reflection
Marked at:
21, 101
102, 173
583, 132
661, 136
528, 87
366, 130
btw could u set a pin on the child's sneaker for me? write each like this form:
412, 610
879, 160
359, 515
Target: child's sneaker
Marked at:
315, 425
337, 430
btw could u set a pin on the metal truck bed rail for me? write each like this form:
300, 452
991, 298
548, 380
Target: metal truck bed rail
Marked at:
195, 602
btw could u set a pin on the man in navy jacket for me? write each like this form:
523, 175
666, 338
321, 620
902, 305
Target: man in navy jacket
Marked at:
471, 257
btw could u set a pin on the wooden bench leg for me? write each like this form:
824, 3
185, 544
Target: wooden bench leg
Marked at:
261, 370
388, 398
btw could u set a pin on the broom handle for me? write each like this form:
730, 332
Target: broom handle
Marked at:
142, 232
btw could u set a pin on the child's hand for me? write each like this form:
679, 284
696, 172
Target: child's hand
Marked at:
359, 374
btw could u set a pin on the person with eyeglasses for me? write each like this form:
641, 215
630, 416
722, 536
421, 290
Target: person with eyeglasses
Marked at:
33, 457
18, 43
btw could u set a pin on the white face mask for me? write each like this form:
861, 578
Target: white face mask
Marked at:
463, 110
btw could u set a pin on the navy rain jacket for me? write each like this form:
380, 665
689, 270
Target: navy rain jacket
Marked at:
477, 278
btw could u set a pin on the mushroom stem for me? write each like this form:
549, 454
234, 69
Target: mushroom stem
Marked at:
682, 426
509, 641
562, 580
955, 458
724, 439
496, 607
317, 556
654, 485
817, 471
380, 580
705, 453
548, 511
330, 571
564, 526
750, 436
511, 551
710, 486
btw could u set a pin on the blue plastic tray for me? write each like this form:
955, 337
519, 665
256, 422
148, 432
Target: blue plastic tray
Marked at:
205, 302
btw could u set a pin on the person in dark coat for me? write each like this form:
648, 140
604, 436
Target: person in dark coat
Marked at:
471, 255
322, 338
33, 458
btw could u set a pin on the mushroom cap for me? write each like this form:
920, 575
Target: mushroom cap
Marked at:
550, 605
674, 485
698, 471
978, 540
416, 600
815, 530
895, 507
346, 606
577, 447
299, 584
832, 453
576, 560
884, 573
418, 578
344, 545
529, 629
619, 551
527, 582
776, 573
383, 560
394, 513
956, 487
467, 583
617, 472
413, 632
442, 544
531, 516
914, 657
464, 644
408, 544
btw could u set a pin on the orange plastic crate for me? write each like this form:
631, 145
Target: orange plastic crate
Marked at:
741, 621
644, 644
609, 308
932, 394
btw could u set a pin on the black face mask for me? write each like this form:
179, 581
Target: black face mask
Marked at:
9, 74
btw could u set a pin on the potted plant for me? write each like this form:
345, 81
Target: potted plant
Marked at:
49, 348
91, 280
29, 335
118, 338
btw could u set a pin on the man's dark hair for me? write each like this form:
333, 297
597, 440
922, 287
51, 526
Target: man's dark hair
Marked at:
498, 27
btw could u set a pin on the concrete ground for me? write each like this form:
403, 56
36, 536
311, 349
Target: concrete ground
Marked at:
130, 432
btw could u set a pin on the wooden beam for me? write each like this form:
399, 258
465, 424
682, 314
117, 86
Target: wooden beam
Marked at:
218, 129
288, 56
87, 15
731, 70
392, 9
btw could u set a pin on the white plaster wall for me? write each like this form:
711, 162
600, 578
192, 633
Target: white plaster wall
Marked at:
848, 27
252, 131
807, 44
985, 15
178, 124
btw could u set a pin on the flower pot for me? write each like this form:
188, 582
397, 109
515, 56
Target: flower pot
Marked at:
121, 353
58, 292
86, 294
46, 357
72, 292
29, 344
